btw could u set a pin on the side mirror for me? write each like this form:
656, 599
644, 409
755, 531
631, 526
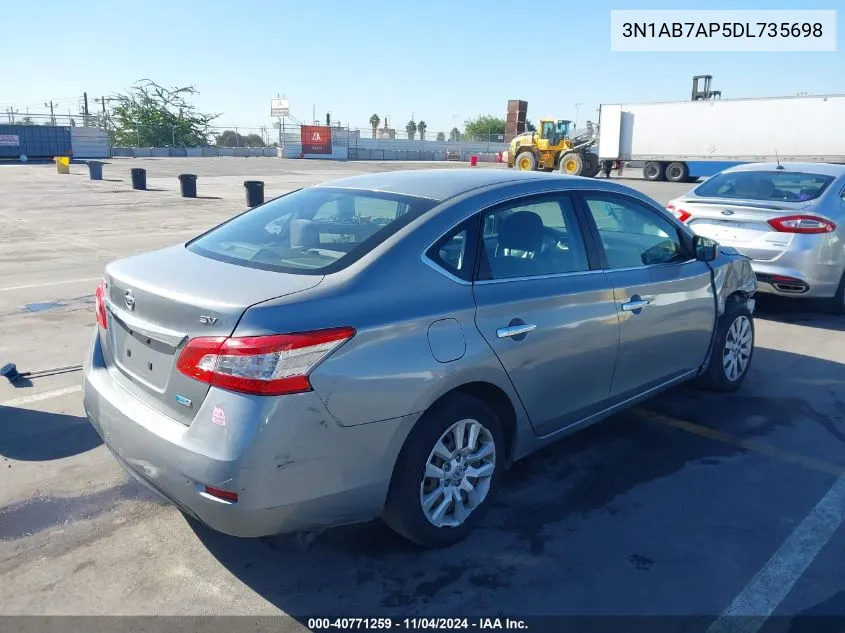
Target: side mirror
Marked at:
705, 249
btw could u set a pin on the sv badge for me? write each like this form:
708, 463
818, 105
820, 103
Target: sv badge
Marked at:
208, 319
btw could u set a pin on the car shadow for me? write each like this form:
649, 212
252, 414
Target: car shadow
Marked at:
35, 436
613, 474
807, 312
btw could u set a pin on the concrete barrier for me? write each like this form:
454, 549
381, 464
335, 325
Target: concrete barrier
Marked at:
193, 152
242, 152
178, 152
210, 152
226, 151
122, 152
142, 152
160, 152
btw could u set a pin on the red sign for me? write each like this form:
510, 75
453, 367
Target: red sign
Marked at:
316, 139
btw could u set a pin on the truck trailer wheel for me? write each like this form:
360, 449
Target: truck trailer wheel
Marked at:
525, 161
591, 164
677, 172
572, 164
654, 171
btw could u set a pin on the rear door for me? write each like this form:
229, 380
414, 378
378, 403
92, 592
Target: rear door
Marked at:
664, 296
546, 310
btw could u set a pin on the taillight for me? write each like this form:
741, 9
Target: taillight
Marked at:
267, 365
802, 224
100, 301
682, 215
225, 495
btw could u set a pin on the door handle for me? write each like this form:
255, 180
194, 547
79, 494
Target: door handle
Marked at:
636, 304
515, 330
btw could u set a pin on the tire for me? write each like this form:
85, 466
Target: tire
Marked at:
718, 376
404, 507
653, 170
591, 164
677, 172
525, 161
572, 164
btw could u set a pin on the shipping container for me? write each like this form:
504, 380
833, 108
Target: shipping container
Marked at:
36, 142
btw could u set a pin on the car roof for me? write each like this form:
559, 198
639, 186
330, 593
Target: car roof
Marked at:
824, 169
441, 184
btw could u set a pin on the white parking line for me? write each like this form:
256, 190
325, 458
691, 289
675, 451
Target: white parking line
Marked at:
50, 283
47, 395
750, 609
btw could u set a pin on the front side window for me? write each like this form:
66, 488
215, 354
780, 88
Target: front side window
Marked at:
534, 238
765, 186
633, 235
311, 231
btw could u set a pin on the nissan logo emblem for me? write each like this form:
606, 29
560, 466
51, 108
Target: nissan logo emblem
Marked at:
129, 299
727, 212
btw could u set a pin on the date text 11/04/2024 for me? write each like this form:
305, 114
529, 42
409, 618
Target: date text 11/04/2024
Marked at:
415, 624
722, 29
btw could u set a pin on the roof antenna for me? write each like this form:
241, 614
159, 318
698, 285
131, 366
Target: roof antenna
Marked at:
777, 158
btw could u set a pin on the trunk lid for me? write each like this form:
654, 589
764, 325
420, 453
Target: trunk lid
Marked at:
742, 225
156, 302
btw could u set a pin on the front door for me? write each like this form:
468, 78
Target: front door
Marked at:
549, 315
663, 294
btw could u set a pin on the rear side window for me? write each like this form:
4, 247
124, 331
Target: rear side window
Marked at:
767, 186
532, 238
311, 231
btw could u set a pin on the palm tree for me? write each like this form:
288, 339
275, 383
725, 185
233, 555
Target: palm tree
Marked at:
421, 129
411, 129
455, 134
374, 121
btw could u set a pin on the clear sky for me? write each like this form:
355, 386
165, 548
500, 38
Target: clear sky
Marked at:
442, 61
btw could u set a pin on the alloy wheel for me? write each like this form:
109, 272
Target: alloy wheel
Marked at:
738, 344
458, 473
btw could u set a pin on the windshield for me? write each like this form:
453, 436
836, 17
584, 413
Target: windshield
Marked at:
311, 231
772, 186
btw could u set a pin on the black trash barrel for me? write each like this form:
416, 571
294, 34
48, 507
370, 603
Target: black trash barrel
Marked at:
139, 178
188, 185
95, 170
254, 192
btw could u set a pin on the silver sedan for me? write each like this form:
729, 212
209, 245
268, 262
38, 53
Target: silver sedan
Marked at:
386, 345
788, 218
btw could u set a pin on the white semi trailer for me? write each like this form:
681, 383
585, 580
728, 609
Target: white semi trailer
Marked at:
685, 140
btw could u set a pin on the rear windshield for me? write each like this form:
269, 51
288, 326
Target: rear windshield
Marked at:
772, 186
311, 231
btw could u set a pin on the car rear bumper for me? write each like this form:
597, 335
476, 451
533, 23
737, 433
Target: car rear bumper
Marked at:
817, 270
292, 466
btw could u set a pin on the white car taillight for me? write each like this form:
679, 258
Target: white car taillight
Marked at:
802, 224
268, 365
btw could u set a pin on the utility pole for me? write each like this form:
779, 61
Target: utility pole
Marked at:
314, 113
52, 115
85, 109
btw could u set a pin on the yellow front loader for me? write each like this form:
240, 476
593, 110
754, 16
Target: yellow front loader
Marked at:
552, 148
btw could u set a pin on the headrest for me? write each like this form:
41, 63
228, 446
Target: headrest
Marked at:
522, 231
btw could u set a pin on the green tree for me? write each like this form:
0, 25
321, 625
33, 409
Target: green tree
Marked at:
421, 127
455, 134
411, 129
441, 136
150, 115
230, 138
484, 127
374, 121
529, 126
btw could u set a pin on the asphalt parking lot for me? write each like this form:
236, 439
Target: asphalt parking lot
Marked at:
692, 504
